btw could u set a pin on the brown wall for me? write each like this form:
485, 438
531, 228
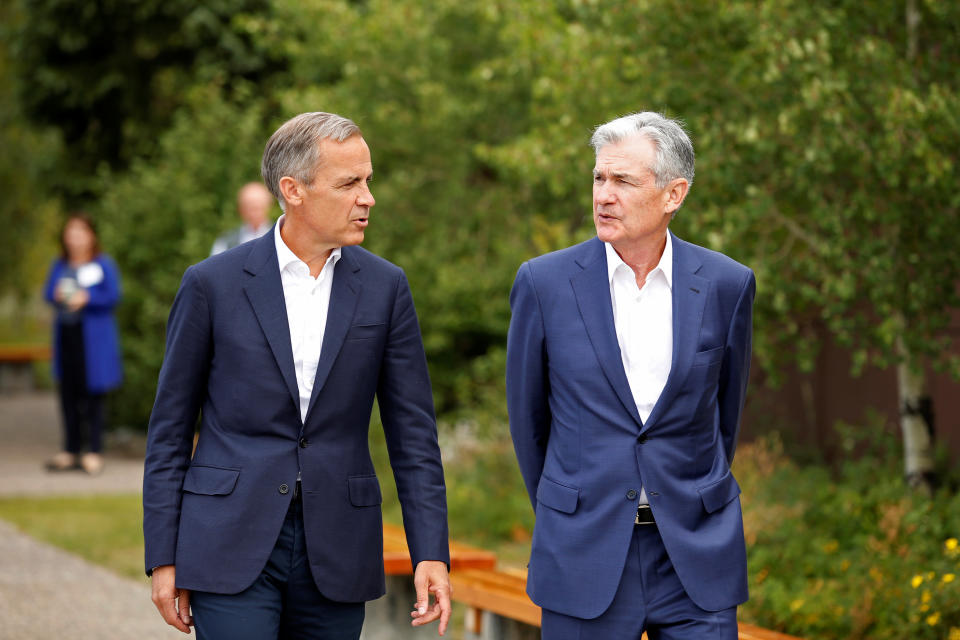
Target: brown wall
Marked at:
806, 407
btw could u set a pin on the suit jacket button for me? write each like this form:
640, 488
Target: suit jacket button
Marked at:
304, 443
642, 439
631, 495
283, 489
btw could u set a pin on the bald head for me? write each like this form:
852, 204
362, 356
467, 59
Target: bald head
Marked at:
253, 204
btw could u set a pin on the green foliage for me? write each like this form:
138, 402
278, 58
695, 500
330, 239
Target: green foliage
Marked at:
28, 211
844, 553
111, 75
162, 215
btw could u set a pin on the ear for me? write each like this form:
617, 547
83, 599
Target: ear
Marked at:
675, 193
291, 190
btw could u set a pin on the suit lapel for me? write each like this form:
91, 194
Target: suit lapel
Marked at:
592, 289
264, 290
689, 297
344, 293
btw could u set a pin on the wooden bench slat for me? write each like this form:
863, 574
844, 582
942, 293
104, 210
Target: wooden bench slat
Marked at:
396, 554
24, 352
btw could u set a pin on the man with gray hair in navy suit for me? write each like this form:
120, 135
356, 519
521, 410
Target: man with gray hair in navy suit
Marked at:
272, 528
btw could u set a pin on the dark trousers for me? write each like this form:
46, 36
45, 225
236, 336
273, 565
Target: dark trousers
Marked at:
79, 406
650, 598
283, 602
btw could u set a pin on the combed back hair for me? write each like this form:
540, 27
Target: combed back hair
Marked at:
294, 149
674, 150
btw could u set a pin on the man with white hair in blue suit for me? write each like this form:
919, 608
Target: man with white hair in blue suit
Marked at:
627, 365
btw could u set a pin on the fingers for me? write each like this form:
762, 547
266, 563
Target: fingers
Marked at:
421, 584
443, 599
183, 607
164, 595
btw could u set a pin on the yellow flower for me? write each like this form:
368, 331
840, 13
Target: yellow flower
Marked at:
948, 577
954, 633
924, 608
831, 546
796, 604
951, 544
917, 581
933, 619
926, 597
931, 575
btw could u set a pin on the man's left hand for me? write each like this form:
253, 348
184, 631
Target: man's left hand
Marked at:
431, 577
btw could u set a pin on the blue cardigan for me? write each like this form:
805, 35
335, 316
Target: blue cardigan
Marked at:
100, 341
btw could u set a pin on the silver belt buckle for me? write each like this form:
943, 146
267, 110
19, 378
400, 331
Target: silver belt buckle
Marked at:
646, 508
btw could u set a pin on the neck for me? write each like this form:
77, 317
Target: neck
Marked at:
312, 251
642, 256
80, 258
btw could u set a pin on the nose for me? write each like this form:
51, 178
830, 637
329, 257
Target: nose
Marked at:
366, 199
602, 193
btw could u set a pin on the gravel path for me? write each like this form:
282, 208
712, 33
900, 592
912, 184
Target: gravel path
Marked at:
30, 434
46, 592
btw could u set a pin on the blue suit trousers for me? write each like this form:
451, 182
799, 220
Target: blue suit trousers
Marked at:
283, 602
650, 598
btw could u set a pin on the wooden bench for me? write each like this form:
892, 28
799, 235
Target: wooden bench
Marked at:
396, 555
499, 607
389, 618
16, 365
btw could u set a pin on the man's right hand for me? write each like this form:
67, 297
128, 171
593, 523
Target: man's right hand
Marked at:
173, 603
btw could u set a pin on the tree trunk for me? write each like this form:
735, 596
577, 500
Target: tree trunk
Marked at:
916, 423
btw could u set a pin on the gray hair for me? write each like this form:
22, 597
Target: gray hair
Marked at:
294, 149
674, 150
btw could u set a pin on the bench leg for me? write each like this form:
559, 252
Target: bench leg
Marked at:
484, 625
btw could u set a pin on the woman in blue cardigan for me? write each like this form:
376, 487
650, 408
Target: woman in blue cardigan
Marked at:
84, 287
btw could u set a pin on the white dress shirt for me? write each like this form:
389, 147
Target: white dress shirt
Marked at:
308, 300
643, 319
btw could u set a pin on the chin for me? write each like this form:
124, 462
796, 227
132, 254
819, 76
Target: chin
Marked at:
353, 239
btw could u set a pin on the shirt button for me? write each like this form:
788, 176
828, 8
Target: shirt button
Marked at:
283, 489
631, 495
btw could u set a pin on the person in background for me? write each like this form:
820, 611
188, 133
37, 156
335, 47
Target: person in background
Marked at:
253, 205
84, 287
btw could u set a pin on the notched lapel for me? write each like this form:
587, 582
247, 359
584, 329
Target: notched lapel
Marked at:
592, 289
689, 298
344, 293
264, 290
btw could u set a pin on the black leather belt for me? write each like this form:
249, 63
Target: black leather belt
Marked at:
644, 515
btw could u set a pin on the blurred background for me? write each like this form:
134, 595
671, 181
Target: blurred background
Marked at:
827, 137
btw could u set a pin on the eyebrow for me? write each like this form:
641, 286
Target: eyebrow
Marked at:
629, 177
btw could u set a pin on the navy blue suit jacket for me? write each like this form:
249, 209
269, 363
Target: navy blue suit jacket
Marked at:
584, 452
229, 359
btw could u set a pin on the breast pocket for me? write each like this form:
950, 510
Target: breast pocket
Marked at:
366, 331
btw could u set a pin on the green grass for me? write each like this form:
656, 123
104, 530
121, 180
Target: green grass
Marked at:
104, 529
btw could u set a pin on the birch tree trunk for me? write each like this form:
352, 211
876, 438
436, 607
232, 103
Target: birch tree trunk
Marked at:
916, 423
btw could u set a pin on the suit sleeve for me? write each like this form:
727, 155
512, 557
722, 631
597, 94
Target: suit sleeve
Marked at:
735, 370
527, 381
180, 392
406, 410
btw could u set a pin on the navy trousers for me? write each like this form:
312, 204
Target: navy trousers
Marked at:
283, 602
650, 598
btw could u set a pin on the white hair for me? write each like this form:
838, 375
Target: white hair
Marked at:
674, 150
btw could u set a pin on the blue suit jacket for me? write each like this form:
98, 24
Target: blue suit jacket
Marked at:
229, 359
101, 344
582, 446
